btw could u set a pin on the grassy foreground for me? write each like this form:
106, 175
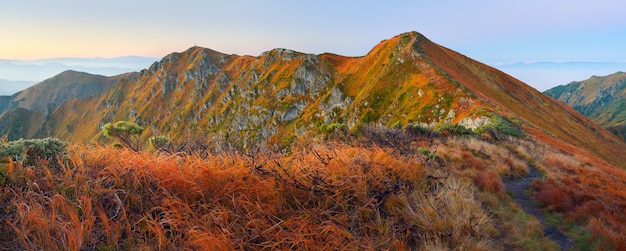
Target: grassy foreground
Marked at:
418, 192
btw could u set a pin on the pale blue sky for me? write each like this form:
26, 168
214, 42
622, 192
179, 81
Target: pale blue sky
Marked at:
490, 31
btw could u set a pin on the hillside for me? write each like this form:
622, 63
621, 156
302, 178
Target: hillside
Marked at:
65, 86
410, 147
281, 94
23, 114
602, 99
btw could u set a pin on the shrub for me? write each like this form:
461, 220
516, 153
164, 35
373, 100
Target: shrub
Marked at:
418, 130
127, 133
159, 142
489, 181
453, 129
501, 125
553, 197
32, 151
423, 150
330, 128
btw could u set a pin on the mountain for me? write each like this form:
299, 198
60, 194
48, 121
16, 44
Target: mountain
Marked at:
602, 99
282, 94
405, 176
24, 111
545, 75
63, 87
38, 70
9, 87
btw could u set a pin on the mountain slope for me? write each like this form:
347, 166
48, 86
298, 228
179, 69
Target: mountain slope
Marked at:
602, 99
63, 87
282, 94
23, 114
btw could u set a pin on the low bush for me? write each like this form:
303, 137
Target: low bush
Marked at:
31, 151
128, 133
330, 128
553, 197
501, 125
453, 129
489, 181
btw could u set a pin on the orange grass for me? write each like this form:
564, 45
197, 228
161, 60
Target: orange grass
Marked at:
325, 197
588, 192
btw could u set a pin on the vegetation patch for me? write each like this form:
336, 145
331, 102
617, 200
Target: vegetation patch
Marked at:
31, 151
501, 124
453, 129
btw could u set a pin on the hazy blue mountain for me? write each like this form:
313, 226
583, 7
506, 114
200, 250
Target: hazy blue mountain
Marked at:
9, 87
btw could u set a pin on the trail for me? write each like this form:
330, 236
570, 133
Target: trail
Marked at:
519, 188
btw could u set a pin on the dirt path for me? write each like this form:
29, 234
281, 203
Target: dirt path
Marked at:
519, 188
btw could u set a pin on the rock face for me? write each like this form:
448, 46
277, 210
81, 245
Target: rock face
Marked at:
602, 99
281, 94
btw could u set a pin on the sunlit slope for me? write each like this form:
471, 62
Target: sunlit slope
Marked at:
542, 116
281, 94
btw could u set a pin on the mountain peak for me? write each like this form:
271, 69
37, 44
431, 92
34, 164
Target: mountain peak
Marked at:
282, 94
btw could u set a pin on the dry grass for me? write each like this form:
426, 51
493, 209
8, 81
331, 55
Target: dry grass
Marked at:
489, 181
589, 193
324, 197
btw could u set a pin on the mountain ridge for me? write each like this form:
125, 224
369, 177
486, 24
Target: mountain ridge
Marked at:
282, 94
601, 98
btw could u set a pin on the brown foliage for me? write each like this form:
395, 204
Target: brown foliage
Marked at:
323, 197
489, 181
553, 196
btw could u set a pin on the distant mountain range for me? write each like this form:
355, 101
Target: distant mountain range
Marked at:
602, 99
545, 75
17, 75
9, 87
282, 94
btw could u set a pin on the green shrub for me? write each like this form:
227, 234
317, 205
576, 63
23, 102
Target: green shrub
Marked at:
433, 156
453, 129
127, 133
418, 130
32, 151
159, 142
423, 150
501, 125
330, 128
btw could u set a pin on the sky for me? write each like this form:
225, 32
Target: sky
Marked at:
490, 31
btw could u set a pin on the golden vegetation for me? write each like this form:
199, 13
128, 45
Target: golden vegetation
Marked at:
324, 195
